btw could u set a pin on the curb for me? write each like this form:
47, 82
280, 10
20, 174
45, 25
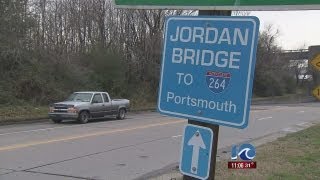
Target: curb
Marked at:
23, 120
143, 109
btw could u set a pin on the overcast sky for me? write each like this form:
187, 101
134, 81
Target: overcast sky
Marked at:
296, 27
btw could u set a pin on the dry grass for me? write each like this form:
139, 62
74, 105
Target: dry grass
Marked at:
296, 156
22, 112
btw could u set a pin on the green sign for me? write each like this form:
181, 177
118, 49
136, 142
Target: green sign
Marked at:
220, 4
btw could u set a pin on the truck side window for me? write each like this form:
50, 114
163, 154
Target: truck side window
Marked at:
105, 97
97, 98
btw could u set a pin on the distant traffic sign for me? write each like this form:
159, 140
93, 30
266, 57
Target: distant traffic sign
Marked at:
196, 151
208, 68
316, 92
316, 62
220, 4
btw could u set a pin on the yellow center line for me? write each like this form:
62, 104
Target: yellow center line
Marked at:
19, 146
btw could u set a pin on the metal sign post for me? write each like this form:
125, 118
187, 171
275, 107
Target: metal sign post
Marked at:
213, 127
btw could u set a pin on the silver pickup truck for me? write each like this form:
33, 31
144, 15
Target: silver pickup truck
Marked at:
84, 106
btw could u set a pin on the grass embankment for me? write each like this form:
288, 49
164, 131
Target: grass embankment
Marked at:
287, 98
296, 156
22, 112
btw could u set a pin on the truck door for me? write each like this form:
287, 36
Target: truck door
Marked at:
97, 106
107, 105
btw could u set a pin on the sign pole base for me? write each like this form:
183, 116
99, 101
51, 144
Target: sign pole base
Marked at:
214, 128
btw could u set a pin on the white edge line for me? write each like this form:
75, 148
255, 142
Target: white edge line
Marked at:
249, 70
177, 136
289, 129
265, 118
305, 124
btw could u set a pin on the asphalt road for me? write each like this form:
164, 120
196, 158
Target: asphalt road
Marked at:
127, 149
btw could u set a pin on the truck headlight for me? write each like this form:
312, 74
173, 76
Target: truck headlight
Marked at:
72, 110
51, 109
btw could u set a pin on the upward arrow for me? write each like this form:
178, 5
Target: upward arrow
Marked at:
197, 142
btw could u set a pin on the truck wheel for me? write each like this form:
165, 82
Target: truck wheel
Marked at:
83, 117
121, 114
56, 120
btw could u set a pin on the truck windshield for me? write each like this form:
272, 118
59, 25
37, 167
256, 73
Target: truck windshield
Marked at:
82, 97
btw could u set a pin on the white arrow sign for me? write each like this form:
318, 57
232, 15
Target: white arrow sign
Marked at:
197, 142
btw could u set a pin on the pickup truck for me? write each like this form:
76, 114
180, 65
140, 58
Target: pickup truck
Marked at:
83, 106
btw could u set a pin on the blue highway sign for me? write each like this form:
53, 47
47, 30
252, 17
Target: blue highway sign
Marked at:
196, 151
208, 68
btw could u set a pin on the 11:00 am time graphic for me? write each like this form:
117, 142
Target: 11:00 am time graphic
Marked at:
242, 165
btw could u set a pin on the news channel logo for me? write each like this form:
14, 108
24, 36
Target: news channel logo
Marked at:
245, 152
